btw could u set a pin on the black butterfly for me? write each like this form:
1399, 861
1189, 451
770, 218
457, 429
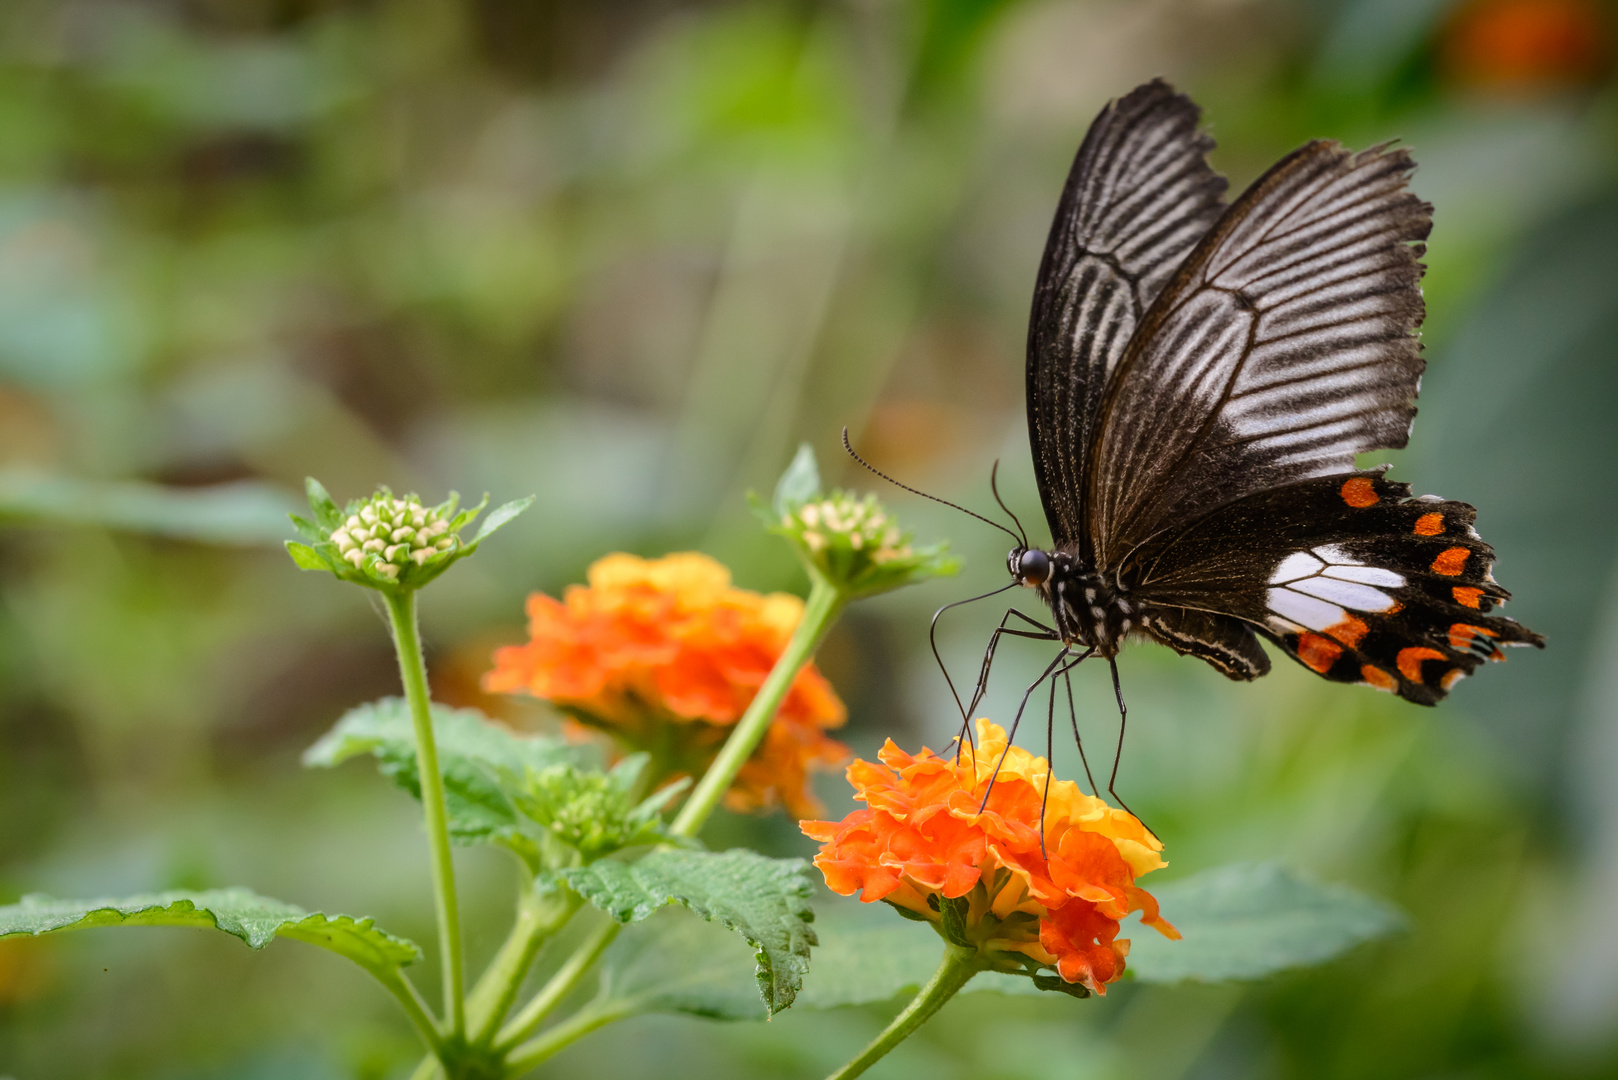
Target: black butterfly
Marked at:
1200, 378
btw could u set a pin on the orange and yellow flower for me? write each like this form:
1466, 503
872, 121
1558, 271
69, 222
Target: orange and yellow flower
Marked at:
665, 655
921, 841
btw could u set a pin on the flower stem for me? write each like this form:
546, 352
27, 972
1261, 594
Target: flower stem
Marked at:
820, 611
561, 984
413, 672
954, 972
570, 1031
537, 919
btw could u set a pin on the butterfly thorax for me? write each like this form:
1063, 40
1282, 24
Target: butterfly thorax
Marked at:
1089, 610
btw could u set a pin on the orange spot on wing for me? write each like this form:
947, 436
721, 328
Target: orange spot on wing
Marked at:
1317, 653
1349, 631
1468, 596
1410, 659
1359, 492
1450, 561
1429, 524
1375, 676
1451, 677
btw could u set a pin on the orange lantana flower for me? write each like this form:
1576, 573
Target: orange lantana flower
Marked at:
921, 844
665, 656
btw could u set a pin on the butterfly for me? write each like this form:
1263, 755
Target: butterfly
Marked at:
1200, 378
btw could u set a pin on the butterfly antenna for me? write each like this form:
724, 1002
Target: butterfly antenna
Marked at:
923, 494
994, 474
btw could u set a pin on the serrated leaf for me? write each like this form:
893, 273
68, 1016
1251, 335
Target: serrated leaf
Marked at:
799, 484
1250, 920
239, 912
499, 517
483, 765
321, 504
765, 900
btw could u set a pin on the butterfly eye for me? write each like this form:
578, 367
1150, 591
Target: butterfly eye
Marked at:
1034, 567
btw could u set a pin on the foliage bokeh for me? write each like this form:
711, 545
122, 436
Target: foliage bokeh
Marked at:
627, 256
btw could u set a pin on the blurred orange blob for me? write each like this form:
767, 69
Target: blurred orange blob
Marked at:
921, 839
1527, 46
665, 655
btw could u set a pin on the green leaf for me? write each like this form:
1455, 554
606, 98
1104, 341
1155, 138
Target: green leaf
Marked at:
240, 513
242, 914
765, 900
1250, 920
676, 963
321, 504
799, 484
483, 764
499, 516
306, 557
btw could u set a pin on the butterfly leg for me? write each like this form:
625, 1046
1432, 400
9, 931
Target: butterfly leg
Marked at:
1073, 715
932, 640
1042, 633
1123, 721
1017, 720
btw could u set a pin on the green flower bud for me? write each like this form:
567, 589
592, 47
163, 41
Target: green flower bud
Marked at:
388, 542
852, 542
596, 813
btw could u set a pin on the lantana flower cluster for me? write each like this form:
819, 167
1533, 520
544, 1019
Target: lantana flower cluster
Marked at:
922, 845
665, 655
397, 531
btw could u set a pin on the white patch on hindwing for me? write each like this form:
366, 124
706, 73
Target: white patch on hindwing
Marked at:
1316, 589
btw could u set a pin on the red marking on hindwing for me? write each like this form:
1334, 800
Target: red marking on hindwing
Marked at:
1451, 677
1410, 659
1349, 631
1359, 492
1468, 596
1375, 676
1450, 561
1429, 524
1317, 653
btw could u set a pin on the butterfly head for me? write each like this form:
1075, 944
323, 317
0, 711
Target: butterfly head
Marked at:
1030, 566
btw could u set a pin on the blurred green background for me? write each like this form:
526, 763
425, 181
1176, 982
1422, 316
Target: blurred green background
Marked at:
625, 256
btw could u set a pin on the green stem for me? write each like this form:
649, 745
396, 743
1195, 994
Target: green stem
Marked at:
570, 1031
954, 972
820, 611
560, 985
427, 1070
413, 672
537, 920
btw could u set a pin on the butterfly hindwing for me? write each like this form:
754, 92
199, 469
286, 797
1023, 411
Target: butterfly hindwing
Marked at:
1354, 579
1283, 346
1138, 198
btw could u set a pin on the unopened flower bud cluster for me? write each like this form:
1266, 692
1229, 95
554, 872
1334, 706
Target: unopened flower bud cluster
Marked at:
397, 531
862, 521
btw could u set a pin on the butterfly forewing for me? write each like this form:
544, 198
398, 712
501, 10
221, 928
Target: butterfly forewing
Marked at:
1138, 198
1284, 345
